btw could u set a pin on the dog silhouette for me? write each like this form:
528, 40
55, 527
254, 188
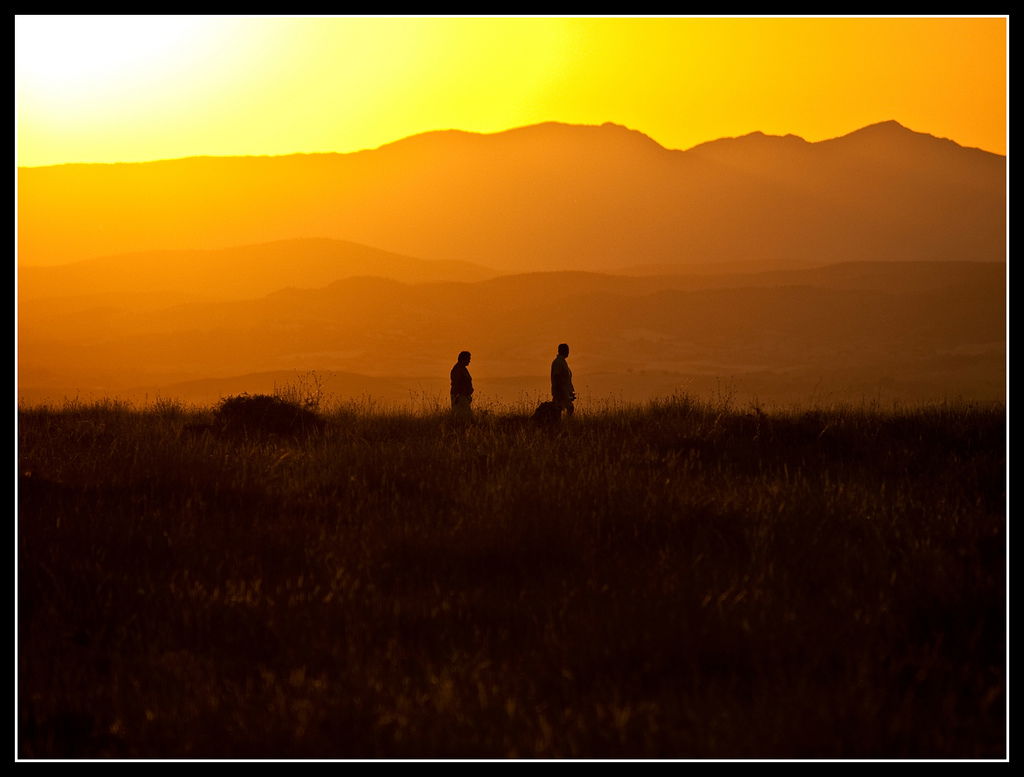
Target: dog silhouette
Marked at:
547, 414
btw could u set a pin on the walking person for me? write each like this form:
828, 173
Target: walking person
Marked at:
462, 386
562, 392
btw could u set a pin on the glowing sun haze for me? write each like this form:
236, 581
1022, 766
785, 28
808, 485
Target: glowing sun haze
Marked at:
135, 88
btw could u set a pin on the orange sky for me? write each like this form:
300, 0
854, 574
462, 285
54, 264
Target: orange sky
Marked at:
122, 88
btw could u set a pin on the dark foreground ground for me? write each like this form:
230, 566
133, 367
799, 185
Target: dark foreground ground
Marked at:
673, 581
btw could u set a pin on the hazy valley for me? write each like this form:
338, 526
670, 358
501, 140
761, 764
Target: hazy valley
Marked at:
848, 332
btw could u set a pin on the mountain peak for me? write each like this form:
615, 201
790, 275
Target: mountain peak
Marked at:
547, 131
888, 125
884, 129
892, 133
757, 138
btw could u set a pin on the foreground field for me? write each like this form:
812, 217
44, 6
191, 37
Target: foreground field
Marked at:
678, 580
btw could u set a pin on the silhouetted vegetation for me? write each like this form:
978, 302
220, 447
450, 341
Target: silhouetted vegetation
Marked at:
264, 414
678, 580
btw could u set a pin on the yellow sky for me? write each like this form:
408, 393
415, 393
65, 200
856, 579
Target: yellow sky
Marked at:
123, 88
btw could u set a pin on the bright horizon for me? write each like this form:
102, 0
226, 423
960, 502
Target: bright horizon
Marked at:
136, 88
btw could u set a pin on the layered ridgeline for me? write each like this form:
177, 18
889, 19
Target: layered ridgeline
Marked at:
147, 279
881, 259
545, 197
912, 331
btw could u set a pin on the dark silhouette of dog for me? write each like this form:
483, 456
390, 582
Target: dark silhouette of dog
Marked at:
547, 414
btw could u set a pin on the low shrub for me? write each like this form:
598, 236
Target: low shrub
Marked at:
261, 413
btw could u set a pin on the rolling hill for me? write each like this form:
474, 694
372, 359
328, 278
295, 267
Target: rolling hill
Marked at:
156, 278
918, 330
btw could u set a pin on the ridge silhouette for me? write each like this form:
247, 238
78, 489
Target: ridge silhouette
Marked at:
545, 197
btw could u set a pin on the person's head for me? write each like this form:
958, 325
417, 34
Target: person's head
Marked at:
464, 357
563, 349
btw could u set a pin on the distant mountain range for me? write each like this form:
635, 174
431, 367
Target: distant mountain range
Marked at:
897, 329
545, 197
867, 266
151, 279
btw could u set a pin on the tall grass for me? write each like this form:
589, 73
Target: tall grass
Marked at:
678, 580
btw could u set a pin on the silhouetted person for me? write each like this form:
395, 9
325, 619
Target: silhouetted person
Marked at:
562, 392
462, 385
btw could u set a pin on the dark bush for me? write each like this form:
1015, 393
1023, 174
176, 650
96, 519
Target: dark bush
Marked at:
261, 413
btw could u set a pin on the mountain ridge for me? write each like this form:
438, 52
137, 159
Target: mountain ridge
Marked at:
549, 196
454, 132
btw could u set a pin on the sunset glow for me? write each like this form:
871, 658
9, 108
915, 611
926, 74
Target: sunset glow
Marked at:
135, 88
577, 388
72, 57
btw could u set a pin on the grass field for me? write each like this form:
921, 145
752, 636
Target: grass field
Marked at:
681, 579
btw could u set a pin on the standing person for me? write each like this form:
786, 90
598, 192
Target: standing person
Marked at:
562, 392
462, 386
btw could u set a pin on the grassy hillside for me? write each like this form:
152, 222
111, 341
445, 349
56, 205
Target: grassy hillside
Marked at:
680, 579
